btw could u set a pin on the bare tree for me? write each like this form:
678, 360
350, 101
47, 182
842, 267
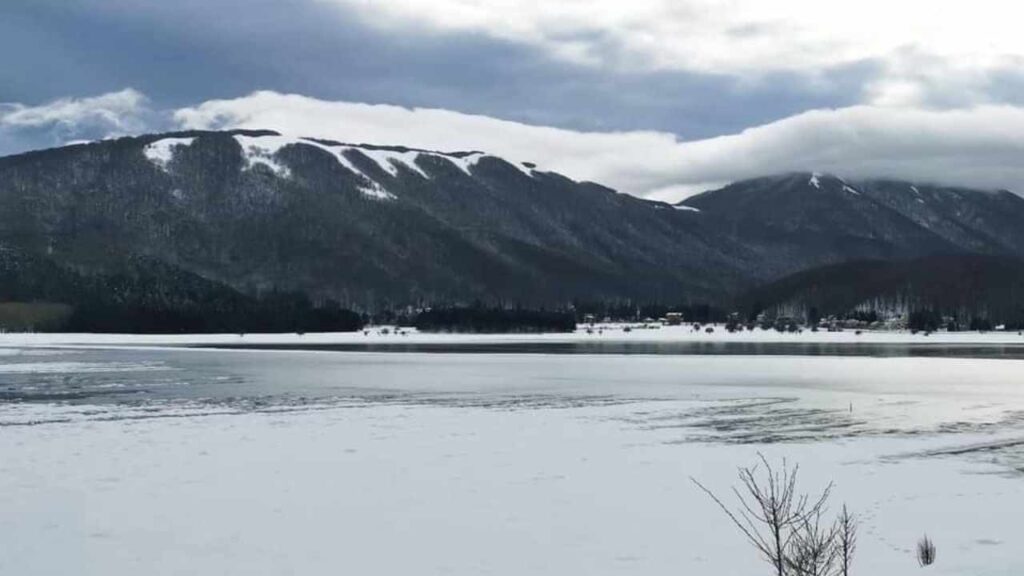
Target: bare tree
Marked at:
813, 549
846, 540
925, 551
771, 511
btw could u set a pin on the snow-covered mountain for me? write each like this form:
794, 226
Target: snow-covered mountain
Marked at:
365, 225
800, 220
373, 226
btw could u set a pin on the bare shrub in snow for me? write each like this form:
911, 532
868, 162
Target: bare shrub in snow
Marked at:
813, 549
925, 551
846, 539
783, 524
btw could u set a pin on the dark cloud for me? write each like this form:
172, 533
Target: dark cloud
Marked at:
186, 51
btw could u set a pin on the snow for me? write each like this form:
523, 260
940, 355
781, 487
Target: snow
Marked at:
602, 332
376, 191
847, 188
371, 188
161, 152
263, 150
686, 208
466, 162
512, 464
814, 180
390, 160
522, 167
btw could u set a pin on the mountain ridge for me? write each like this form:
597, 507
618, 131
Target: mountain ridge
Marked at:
259, 213
819, 219
374, 226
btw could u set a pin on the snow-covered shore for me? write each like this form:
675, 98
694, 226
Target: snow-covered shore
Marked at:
609, 333
400, 489
471, 464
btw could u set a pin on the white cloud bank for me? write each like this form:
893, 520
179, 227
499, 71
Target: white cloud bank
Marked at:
71, 120
118, 112
979, 146
961, 42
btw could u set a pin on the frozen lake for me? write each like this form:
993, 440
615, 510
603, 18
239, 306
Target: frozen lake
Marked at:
506, 456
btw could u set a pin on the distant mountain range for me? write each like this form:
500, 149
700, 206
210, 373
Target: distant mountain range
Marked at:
798, 221
372, 227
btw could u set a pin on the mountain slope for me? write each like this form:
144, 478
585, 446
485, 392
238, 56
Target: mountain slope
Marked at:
964, 286
979, 221
374, 227
803, 220
365, 225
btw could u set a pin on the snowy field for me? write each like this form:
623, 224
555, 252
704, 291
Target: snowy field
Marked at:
600, 332
125, 461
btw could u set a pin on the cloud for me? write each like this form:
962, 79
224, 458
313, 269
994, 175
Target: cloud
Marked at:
67, 119
618, 158
117, 110
970, 41
720, 35
187, 51
978, 146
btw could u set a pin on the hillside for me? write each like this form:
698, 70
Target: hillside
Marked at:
377, 227
802, 220
146, 296
966, 287
364, 225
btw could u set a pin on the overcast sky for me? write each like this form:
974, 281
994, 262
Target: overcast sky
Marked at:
658, 98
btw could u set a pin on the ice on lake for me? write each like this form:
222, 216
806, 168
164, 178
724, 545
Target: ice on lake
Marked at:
168, 461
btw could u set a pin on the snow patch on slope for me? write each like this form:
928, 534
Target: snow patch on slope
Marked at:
390, 160
262, 150
466, 162
814, 181
686, 208
523, 167
161, 152
920, 199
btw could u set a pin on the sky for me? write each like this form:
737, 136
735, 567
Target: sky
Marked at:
657, 98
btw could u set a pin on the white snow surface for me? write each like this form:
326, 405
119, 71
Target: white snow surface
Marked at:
390, 160
503, 464
263, 150
850, 189
516, 464
814, 181
466, 162
601, 332
686, 208
161, 152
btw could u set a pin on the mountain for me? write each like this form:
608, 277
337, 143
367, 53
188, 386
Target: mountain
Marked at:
966, 287
803, 220
374, 227
367, 226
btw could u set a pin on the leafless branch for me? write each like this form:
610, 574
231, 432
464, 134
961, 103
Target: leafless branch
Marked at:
774, 517
846, 541
813, 550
